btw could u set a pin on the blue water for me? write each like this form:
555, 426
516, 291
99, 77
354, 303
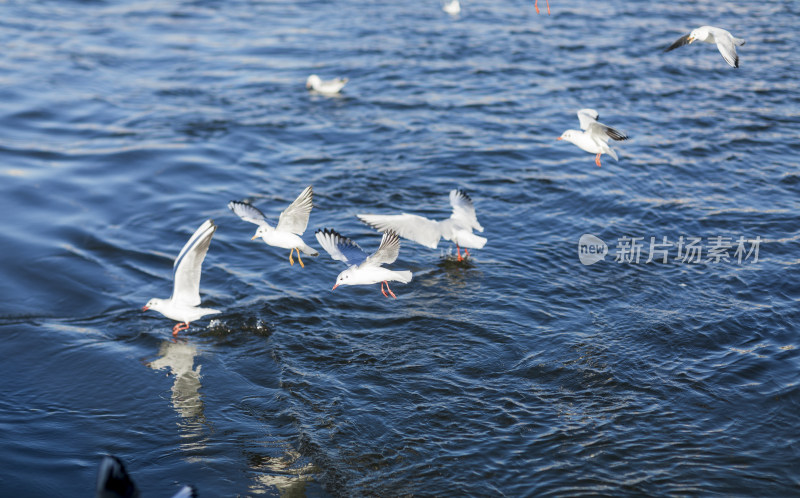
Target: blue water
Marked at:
125, 124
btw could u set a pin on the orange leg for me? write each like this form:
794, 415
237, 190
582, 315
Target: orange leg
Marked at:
291, 261
597, 159
298, 258
466, 253
536, 5
388, 289
178, 327
458, 251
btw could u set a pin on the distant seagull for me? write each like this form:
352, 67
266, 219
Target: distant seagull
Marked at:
184, 304
458, 228
291, 224
113, 481
328, 87
363, 269
452, 7
595, 136
536, 6
726, 42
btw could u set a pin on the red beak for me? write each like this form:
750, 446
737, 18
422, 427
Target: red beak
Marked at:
335, 286
145, 308
559, 138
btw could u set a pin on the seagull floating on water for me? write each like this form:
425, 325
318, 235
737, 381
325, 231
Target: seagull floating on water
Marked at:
452, 7
726, 42
291, 224
113, 481
364, 269
595, 136
184, 304
458, 228
328, 87
536, 6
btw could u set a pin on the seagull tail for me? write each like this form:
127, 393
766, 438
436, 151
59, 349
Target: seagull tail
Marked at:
306, 249
403, 276
738, 41
613, 153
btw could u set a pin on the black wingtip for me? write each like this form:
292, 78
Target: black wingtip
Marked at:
463, 193
113, 480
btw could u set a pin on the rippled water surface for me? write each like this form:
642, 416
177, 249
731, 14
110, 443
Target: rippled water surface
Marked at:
125, 124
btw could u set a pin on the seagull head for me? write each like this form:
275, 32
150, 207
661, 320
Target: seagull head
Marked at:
345, 278
312, 81
700, 33
153, 304
569, 135
262, 231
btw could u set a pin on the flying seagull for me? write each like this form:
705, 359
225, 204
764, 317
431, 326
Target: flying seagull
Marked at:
457, 228
595, 136
291, 224
364, 269
184, 305
726, 42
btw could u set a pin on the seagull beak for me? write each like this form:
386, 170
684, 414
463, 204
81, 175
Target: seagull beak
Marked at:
145, 308
560, 138
254, 237
335, 286
690, 40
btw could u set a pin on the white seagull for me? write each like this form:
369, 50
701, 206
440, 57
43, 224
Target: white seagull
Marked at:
291, 224
457, 228
726, 42
364, 269
595, 136
328, 87
184, 304
452, 7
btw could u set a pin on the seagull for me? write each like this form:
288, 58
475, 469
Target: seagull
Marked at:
328, 87
457, 228
595, 136
184, 304
536, 6
113, 481
364, 269
291, 224
726, 42
453, 7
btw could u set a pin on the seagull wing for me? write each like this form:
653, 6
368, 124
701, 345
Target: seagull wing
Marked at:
409, 226
247, 212
683, 40
587, 117
340, 247
463, 210
113, 479
387, 252
604, 132
294, 218
727, 49
186, 272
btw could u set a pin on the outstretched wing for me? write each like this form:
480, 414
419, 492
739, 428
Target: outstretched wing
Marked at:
113, 479
387, 252
463, 210
683, 40
728, 49
604, 132
247, 212
587, 117
187, 268
340, 247
294, 218
409, 226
